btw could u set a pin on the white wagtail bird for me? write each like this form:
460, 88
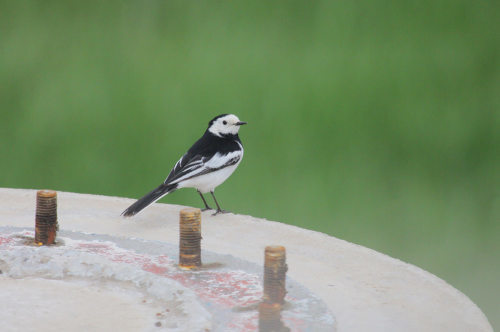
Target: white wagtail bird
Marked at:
208, 163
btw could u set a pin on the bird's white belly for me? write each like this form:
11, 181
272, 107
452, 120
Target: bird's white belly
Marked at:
207, 182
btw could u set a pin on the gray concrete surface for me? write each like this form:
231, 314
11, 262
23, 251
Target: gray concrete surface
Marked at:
221, 296
365, 290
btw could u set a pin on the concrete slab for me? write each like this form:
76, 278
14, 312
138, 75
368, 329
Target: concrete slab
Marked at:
44, 306
365, 290
223, 295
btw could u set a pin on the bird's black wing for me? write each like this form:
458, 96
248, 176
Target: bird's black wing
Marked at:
199, 165
188, 164
207, 155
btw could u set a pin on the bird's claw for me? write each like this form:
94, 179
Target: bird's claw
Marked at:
220, 211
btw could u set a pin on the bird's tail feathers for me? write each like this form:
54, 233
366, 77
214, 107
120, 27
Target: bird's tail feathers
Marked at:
149, 199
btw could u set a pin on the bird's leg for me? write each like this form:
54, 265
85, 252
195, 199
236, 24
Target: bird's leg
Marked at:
219, 210
204, 201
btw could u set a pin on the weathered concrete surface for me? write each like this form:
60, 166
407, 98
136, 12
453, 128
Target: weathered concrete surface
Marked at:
55, 305
365, 290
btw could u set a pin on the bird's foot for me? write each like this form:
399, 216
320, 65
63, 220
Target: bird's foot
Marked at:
206, 209
220, 211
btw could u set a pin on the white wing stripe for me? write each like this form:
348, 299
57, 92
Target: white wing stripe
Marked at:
190, 174
218, 160
199, 166
193, 165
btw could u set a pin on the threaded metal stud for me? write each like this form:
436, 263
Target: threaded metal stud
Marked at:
274, 290
46, 217
190, 238
275, 275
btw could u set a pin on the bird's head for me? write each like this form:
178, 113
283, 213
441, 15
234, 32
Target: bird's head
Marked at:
225, 124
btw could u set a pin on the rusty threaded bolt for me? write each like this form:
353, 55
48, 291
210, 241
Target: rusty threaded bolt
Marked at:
46, 217
190, 238
270, 318
275, 275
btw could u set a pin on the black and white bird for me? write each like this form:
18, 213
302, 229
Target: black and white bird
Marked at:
207, 164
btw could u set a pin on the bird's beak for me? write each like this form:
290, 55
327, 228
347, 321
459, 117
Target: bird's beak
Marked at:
240, 123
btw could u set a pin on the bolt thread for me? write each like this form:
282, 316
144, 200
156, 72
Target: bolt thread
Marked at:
46, 217
275, 269
190, 238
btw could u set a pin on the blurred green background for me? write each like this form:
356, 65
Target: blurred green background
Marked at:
375, 122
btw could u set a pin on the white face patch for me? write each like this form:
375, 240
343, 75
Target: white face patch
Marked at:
225, 125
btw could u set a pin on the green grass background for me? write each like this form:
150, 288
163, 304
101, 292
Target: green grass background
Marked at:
373, 121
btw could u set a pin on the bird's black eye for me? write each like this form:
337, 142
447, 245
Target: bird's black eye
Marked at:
224, 122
